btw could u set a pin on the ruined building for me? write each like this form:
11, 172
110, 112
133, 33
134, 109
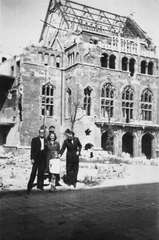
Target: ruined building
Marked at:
95, 72
9, 104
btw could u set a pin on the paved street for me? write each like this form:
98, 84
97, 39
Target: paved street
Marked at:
111, 213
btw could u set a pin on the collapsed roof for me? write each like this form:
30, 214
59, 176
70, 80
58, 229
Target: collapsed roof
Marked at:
69, 15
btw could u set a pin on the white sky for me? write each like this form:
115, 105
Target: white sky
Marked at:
20, 22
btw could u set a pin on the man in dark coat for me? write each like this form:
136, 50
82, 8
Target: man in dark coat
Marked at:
73, 146
38, 160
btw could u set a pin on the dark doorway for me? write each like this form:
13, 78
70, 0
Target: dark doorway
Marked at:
147, 145
4, 130
127, 143
107, 141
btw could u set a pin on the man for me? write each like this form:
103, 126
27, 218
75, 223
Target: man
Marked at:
73, 146
38, 160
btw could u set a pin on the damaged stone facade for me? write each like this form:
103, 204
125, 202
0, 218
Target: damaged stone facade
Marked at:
9, 99
98, 79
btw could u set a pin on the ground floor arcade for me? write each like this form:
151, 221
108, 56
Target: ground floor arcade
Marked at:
136, 141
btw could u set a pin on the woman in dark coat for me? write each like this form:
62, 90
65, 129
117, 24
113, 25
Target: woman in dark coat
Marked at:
53, 148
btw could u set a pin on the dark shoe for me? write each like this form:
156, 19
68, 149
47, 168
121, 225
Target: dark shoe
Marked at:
74, 185
41, 189
28, 191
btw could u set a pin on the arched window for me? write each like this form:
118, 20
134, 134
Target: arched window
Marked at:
48, 92
71, 59
104, 60
40, 56
146, 105
112, 62
87, 100
127, 103
132, 66
52, 60
143, 67
150, 68
107, 100
58, 61
46, 59
124, 64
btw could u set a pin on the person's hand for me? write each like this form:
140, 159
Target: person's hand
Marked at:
32, 161
77, 153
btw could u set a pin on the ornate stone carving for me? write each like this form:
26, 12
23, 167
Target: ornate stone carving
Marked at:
89, 57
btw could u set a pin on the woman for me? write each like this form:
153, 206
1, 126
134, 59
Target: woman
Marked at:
53, 161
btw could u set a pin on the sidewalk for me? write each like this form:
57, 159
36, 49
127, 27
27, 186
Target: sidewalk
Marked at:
118, 209
135, 174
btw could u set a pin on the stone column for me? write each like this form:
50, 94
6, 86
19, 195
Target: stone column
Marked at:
115, 144
128, 61
153, 148
146, 70
119, 142
139, 144
135, 147
108, 61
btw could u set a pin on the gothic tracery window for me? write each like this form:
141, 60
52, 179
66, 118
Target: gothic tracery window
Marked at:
107, 100
87, 100
146, 105
128, 103
48, 92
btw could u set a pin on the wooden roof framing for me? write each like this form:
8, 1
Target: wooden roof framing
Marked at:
78, 16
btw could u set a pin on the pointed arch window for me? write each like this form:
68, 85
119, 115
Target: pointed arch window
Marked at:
52, 60
132, 67
48, 94
143, 67
124, 63
112, 60
58, 59
128, 103
87, 100
40, 57
104, 60
107, 100
150, 68
146, 105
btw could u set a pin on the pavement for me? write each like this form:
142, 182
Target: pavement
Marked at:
118, 209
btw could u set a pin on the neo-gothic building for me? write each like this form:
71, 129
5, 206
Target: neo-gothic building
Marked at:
101, 64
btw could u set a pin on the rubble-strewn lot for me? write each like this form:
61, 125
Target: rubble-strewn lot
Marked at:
101, 170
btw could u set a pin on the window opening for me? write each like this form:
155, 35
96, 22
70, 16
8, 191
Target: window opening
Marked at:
107, 100
48, 99
87, 100
143, 67
112, 62
150, 68
124, 64
127, 103
146, 105
104, 60
132, 67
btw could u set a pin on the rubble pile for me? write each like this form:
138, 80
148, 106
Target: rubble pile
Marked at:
103, 167
15, 171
